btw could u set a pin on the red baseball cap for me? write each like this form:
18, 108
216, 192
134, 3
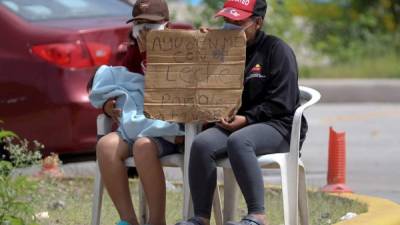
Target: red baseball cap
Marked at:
243, 9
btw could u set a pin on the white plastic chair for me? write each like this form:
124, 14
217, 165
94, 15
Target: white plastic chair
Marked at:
292, 171
104, 125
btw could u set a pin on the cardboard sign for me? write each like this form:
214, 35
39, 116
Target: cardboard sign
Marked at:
194, 76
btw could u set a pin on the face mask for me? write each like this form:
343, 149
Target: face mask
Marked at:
149, 26
231, 26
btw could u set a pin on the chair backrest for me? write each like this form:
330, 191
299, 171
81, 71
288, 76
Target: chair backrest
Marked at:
304, 96
308, 97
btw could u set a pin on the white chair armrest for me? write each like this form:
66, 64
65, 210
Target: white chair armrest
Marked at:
312, 96
104, 125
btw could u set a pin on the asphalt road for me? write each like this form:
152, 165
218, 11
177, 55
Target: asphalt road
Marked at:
372, 142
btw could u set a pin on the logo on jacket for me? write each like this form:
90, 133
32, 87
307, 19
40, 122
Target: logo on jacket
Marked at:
255, 72
256, 69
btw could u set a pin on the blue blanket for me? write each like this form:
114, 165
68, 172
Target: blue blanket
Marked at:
128, 88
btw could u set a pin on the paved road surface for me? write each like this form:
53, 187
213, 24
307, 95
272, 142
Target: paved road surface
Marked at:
373, 146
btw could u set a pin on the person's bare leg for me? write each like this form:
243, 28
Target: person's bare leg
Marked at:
152, 177
111, 153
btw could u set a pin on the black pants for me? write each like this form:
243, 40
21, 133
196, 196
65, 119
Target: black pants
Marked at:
242, 147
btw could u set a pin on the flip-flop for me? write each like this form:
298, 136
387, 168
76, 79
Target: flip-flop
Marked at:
247, 220
192, 221
122, 222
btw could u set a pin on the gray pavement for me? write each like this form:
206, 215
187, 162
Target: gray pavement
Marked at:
373, 148
372, 143
352, 90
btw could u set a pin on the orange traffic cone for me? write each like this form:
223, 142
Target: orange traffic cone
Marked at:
336, 163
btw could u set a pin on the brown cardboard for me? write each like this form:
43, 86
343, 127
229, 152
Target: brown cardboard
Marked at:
194, 76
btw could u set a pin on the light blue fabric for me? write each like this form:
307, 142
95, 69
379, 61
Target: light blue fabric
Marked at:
128, 88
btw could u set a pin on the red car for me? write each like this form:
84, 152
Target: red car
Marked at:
48, 52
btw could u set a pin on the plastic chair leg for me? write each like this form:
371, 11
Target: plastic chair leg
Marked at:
289, 192
143, 211
190, 132
285, 192
97, 197
231, 189
187, 211
303, 202
217, 207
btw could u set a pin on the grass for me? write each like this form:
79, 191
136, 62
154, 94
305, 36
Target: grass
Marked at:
381, 67
68, 202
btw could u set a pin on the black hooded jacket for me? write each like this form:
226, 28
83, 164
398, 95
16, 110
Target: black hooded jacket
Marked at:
271, 93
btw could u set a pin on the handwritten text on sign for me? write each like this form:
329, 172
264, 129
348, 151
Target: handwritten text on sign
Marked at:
194, 76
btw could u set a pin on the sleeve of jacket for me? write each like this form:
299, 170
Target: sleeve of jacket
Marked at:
282, 92
132, 59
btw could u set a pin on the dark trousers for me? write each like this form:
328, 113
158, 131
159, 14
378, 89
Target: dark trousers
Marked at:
242, 147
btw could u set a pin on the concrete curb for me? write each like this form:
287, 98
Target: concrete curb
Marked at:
380, 211
356, 90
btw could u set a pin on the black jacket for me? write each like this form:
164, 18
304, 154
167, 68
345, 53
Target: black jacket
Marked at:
271, 92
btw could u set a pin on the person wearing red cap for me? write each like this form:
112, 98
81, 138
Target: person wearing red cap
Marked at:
112, 150
261, 126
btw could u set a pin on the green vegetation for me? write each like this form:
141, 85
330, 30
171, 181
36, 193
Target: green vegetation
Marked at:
68, 201
383, 67
22, 153
357, 38
17, 193
3, 135
16, 197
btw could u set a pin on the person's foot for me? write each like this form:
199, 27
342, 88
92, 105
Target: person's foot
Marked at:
260, 217
122, 222
251, 219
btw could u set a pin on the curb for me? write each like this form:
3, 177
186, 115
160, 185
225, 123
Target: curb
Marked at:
356, 90
380, 211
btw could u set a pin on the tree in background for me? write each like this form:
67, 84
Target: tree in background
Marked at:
342, 29
351, 29
279, 20
206, 17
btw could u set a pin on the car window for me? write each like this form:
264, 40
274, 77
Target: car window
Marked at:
36, 10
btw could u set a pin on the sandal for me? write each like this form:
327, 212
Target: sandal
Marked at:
247, 220
192, 221
122, 222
